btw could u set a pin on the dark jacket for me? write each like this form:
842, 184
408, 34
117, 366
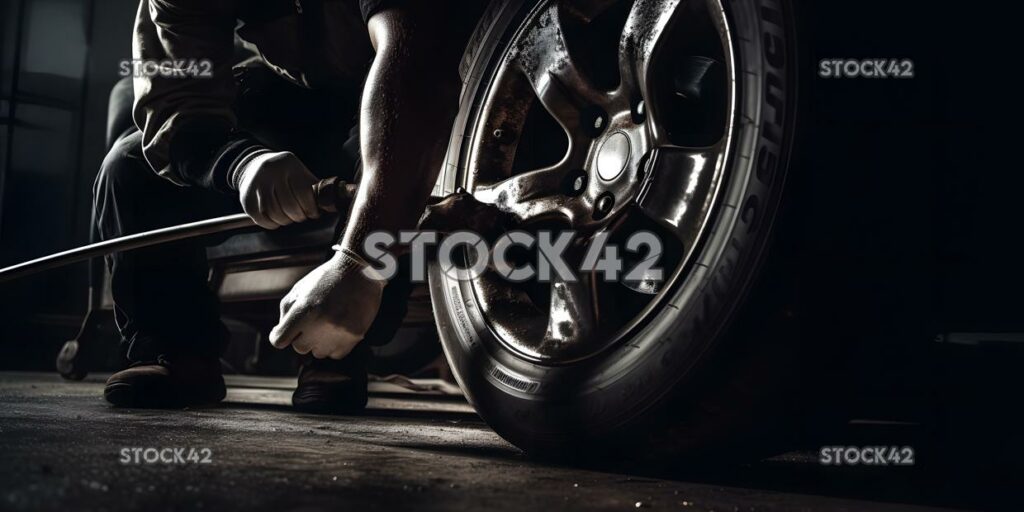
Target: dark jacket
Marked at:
190, 132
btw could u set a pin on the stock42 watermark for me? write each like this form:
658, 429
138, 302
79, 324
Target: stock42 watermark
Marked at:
167, 68
866, 68
135, 456
465, 255
866, 456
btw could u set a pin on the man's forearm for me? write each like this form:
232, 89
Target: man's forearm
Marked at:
409, 102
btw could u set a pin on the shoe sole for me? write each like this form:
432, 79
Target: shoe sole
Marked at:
324, 405
123, 394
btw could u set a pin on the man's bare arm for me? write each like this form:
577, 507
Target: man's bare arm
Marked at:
410, 100
409, 103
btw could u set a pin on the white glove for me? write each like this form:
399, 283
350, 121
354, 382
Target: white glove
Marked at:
329, 311
276, 189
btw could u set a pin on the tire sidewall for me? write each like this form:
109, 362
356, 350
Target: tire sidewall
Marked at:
541, 408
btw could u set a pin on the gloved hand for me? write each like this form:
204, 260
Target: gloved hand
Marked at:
276, 189
329, 311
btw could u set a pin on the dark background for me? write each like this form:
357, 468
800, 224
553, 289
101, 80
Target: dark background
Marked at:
908, 190
59, 60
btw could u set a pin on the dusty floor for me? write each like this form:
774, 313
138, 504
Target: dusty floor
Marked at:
61, 449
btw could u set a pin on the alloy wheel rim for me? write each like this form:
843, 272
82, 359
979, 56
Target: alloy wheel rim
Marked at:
646, 153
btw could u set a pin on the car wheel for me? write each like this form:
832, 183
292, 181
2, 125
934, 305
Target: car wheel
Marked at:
615, 117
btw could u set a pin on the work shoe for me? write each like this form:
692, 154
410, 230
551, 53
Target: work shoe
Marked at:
166, 385
327, 386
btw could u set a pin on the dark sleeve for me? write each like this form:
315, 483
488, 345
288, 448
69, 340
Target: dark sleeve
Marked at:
206, 155
189, 129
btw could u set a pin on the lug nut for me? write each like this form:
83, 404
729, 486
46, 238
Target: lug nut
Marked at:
604, 206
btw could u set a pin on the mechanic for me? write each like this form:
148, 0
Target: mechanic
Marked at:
265, 137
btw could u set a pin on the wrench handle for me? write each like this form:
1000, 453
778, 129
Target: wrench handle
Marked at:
332, 195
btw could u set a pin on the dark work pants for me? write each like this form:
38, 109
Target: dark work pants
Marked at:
162, 302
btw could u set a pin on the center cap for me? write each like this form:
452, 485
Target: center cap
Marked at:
613, 156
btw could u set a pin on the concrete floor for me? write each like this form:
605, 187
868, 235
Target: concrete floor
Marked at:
60, 444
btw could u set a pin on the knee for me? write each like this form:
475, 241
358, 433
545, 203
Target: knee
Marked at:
123, 168
119, 111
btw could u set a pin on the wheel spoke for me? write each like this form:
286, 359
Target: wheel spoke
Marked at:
680, 188
528, 195
648, 22
572, 319
544, 55
523, 322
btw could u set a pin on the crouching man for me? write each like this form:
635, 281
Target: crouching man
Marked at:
257, 138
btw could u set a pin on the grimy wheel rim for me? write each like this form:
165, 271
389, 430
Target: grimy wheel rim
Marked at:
650, 152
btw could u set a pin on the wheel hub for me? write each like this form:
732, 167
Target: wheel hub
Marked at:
613, 156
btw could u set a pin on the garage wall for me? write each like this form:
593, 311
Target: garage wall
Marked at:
59, 61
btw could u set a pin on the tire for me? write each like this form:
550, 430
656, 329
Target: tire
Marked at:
703, 374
